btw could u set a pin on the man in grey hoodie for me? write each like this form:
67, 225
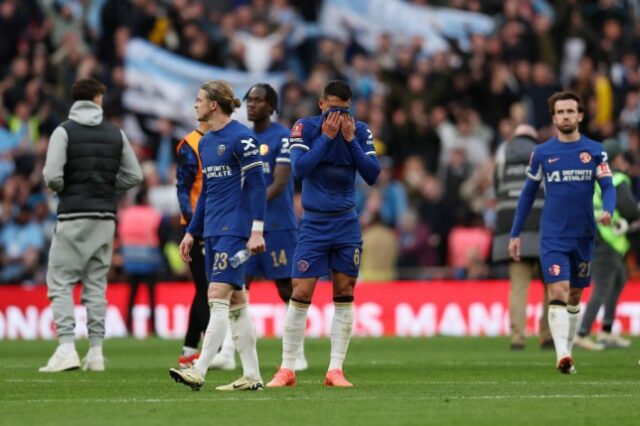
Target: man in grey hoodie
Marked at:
88, 160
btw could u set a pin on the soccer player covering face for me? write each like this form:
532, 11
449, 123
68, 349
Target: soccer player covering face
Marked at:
229, 216
326, 152
280, 221
569, 164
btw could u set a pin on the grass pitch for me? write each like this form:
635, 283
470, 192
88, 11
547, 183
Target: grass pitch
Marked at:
397, 382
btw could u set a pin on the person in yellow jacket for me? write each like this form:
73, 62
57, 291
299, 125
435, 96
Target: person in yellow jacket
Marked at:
189, 185
609, 269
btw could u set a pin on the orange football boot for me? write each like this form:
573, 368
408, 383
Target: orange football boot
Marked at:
336, 378
284, 377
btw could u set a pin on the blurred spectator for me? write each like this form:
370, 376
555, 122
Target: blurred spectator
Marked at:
138, 230
469, 248
438, 115
478, 193
416, 246
22, 241
260, 50
379, 243
393, 197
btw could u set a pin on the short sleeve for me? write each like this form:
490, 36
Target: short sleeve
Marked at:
534, 170
365, 137
602, 165
284, 147
297, 139
247, 150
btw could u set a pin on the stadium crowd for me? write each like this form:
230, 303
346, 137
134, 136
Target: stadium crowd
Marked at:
437, 118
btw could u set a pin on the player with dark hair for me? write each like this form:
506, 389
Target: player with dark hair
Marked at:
569, 164
230, 217
280, 221
326, 152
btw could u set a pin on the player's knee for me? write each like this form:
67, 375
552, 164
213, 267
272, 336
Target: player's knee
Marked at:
302, 291
219, 291
211, 293
558, 291
575, 294
344, 287
559, 295
301, 295
238, 298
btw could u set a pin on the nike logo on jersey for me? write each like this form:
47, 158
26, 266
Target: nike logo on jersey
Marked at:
553, 160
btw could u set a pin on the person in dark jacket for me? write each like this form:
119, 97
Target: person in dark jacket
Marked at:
88, 161
512, 158
189, 185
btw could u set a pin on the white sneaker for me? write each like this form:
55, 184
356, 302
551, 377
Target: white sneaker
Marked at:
301, 362
61, 362
222, 362
587, 344
188, 376
611, 340
94, 361
243, 383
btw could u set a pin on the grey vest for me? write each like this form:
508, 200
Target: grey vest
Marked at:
93, 160
511, 165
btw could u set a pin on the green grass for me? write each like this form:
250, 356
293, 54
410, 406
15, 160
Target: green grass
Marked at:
397, 381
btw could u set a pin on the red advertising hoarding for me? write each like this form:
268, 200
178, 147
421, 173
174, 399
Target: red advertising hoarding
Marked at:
454, 308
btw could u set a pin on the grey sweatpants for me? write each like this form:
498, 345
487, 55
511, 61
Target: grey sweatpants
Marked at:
609, 278
80, 251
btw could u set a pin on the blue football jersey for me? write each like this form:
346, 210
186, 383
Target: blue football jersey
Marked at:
274, 149
330, 186
569, 171
226, 154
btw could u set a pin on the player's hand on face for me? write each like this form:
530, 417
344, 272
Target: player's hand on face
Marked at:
185, 247
331, 124
348, 127
605, 218
514, 249
256, 243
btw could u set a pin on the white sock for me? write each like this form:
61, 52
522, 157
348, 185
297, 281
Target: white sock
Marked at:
66, 348
341, 327
301, 351
300, 356
244, 337
228, 348
295, 323
574, 313
559, 327
218, 320
188, 351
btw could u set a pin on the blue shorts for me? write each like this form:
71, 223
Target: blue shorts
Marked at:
567, 259
275, 263
217, 251
328, 242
